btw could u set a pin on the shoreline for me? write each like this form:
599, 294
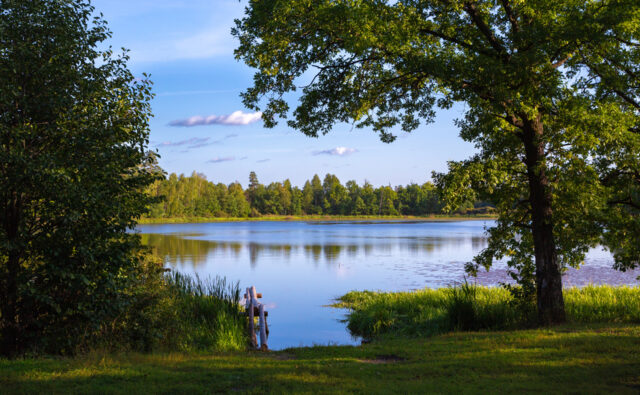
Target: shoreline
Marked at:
316, 218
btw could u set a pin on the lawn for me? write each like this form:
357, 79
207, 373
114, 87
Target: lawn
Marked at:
585, 358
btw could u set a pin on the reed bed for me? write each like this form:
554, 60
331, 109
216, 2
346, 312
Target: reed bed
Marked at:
203, 314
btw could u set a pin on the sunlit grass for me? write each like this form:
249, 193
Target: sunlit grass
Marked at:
593, 358
434, 311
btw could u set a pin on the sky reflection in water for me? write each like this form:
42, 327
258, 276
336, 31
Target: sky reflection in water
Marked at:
300, 267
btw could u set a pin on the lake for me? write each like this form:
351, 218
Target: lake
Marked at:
301, 267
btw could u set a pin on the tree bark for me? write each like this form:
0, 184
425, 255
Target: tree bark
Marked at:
548, 275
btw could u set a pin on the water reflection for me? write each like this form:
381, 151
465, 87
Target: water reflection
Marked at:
191, 249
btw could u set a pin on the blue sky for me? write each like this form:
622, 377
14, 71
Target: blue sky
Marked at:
187, 48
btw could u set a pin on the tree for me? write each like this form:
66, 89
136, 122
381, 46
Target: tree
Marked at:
236, 203
318, 195
252, 188
73, 168
552, 96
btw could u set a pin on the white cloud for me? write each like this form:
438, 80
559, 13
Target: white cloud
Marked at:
223, 159
235, 118
192, 142
338, 151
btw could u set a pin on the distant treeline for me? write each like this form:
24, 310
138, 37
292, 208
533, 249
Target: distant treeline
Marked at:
195, 196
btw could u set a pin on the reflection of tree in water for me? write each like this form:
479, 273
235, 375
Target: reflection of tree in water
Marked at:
479, 242
278, 250
331, 252
313, 251
178, 250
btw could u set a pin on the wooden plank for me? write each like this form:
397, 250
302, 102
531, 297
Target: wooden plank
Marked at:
256, 311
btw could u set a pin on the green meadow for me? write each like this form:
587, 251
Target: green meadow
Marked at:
595, 358
451, 340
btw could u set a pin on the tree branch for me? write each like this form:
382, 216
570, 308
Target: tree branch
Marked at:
561, 62
510, 15
456, 41
618, 92
472, 11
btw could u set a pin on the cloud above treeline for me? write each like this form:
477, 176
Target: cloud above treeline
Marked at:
236, 118
219, 159
338, 151
195, 142
222, 159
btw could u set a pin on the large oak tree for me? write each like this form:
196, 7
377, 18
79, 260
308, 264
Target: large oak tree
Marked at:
551, 91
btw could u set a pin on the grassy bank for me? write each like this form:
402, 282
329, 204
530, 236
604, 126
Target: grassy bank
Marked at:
435, 311
569, 359
175, 312
183, 220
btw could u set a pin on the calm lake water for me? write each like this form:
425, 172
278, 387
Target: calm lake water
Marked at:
300, 267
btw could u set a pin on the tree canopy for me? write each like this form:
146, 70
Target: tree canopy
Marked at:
552, 94
73, 167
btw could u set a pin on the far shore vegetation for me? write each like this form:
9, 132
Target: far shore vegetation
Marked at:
196, 199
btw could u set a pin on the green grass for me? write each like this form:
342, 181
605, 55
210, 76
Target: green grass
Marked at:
176, 312
587, 358
204, 315
434, 311
182, 220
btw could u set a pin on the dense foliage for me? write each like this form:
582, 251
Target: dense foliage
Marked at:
73, 170
194, 196
552, 102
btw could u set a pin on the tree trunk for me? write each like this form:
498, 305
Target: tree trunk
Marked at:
9, 345
548, 276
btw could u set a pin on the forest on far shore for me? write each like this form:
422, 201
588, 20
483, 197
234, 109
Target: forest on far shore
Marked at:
195, 196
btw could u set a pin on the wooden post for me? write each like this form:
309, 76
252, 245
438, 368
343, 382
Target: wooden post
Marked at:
252, 329
253, 308
263, 329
